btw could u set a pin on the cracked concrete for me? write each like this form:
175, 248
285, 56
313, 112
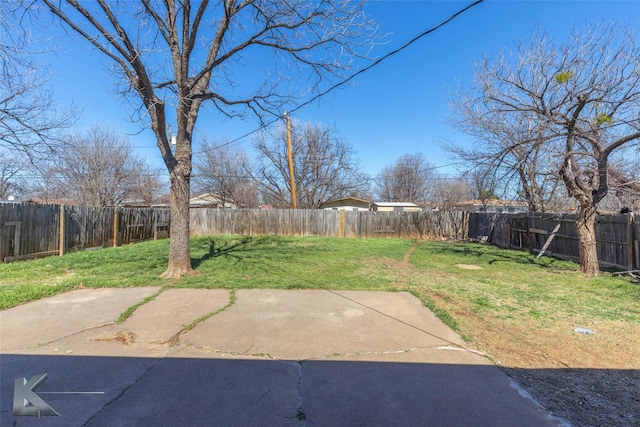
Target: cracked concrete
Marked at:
274, 357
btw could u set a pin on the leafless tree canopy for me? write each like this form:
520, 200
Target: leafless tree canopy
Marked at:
98, 168
624, 184
557, 111
448, 193
510, 152
225, 171
11, 178
241, 56
30, 122
409, 179
324, 167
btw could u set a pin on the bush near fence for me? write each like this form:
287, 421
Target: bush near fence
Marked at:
32, 230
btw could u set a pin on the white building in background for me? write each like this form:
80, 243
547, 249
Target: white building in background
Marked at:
347, 204
394, 207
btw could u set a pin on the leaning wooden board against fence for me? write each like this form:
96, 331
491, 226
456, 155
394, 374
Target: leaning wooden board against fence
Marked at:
617, 235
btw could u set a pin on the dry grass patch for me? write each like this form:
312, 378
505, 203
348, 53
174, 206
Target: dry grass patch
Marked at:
123, 337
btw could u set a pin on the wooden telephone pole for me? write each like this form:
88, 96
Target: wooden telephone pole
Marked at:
292, 183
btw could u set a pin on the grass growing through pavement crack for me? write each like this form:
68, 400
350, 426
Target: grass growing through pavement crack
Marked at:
232, 300
129, 311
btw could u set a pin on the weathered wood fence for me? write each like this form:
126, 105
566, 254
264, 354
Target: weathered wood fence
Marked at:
316, 222
32, 230
617, 235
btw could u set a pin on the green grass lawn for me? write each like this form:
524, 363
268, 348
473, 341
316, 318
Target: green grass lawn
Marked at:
510, 284
515, 283
221, 262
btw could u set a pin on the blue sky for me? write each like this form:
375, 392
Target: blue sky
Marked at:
398, 107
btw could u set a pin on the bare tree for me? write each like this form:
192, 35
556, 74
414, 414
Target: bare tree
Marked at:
181, 55
582, 97
30, 122
483, 186
225, 171
510, 152
449, 193
409, 179
324, 167
11, 180
624, 185
98, 168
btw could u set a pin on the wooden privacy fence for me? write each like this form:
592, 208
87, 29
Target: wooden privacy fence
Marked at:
32, 230
331, 223
617, 235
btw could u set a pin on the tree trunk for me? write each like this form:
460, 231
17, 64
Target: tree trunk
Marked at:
179, 249
587, 244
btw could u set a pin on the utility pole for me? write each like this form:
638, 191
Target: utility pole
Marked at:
292, 183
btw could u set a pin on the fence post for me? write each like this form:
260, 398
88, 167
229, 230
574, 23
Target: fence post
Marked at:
155, 224
115, 227
61, 236
630, 239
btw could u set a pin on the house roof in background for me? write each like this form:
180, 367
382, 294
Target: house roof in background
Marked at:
395, 204
346, 199
493, 202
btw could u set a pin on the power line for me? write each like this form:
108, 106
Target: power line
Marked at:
351, 77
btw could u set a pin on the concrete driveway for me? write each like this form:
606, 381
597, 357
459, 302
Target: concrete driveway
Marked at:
262, 358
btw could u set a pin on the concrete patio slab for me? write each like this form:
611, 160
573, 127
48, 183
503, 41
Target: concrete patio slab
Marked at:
40, 322
274, 358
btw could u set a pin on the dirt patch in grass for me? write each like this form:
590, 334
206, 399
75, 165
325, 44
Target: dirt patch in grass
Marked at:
469, 267
590, 380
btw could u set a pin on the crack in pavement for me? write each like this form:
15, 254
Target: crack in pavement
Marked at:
64, 337
125, 390
269, 356
300, 414
207, 349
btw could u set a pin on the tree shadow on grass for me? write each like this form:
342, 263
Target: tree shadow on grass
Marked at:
492, 255
242, 249
226, 249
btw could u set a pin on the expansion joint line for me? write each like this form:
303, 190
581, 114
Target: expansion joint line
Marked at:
397, 320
